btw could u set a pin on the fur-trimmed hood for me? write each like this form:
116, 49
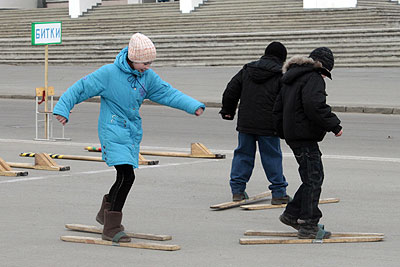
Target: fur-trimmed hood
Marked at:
299, 65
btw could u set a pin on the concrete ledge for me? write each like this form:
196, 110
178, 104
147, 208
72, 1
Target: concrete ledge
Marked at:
335, 108
355, 109
338, 108
379, 110
368, 109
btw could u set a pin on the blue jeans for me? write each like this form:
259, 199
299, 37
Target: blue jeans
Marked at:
271, 159
305, 202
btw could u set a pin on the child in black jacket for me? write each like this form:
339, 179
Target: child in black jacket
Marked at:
256, 87
303, 118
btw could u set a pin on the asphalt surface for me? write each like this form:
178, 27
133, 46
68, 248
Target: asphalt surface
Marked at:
361, 90
173, 197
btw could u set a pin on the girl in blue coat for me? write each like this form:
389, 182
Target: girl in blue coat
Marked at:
122, 87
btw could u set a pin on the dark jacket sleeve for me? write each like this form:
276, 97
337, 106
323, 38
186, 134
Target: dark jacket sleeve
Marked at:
231, 96
278, 115
315, 107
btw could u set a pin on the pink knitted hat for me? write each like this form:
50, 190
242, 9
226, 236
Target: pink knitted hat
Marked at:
141, 49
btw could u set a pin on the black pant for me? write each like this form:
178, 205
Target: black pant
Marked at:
304, 205
120, 189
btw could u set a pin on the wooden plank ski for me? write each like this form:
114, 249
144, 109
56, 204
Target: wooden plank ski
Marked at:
233, 204
294, 234
99, 241
352, 239
99, 230
270, 206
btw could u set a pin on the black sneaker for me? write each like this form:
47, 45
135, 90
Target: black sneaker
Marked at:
240, 197
281, 200
313, 232
289, 220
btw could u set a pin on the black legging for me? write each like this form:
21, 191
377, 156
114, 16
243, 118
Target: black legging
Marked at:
120, 189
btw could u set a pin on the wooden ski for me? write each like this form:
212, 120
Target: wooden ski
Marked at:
279, 237
352, 239
233, 204
294, 234
99, 241
99, 230
270, 206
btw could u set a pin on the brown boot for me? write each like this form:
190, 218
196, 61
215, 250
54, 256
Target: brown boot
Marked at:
105, 205
112, 230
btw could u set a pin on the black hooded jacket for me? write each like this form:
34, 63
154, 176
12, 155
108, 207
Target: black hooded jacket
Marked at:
256, 85
301, 113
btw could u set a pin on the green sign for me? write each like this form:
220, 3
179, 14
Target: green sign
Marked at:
45, 33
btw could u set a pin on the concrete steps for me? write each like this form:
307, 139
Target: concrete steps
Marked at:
219, 33
375, 49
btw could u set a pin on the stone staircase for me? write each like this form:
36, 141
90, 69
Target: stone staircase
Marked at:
218, 33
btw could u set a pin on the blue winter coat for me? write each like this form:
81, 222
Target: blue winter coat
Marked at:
122, 91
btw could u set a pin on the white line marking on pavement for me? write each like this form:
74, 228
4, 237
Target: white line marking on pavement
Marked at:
55, 143
344, 157
33, 178
180, 149
286, 155
17, 180
379, 159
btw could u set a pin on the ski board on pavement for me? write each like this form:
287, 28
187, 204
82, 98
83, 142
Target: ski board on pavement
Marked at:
270, 206
233, 204
294, 234
99, 230
99, 241
291, 238
353, 239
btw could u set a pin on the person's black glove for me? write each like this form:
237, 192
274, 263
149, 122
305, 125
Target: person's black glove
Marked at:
227, 116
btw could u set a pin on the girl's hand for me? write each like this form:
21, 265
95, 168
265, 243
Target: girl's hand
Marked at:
61, 119
199, 112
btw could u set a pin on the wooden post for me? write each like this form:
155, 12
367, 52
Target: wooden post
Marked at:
46, 69
46, 33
